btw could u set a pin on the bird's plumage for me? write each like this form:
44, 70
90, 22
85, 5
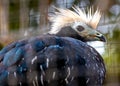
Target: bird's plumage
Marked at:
53, 60
50, 61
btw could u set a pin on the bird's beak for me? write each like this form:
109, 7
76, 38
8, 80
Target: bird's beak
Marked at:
102, 38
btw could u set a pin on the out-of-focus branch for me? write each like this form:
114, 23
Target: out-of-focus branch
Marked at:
43, 7
4, 28
24, 14
104, 5
4, 5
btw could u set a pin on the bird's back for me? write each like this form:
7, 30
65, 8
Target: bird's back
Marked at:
50, 61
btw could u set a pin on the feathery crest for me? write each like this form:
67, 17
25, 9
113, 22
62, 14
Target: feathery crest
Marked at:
65, 17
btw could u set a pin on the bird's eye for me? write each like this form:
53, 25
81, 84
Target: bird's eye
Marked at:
80, 28
98, 34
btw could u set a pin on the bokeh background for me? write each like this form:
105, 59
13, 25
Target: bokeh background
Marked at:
20, 19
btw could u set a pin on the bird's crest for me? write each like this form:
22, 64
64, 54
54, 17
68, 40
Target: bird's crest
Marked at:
64, 17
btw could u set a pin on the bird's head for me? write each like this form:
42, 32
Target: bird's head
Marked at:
84, 24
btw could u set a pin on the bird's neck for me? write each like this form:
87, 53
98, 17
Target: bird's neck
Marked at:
69, 32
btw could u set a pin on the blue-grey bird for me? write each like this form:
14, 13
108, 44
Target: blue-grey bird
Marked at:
59, 58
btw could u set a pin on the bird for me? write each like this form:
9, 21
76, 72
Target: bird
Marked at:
61, 57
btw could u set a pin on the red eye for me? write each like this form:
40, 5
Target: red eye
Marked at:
80, 28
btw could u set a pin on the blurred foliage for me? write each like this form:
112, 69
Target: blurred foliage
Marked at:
112, 58
1, 46
14, 7
116, 39
34, 4
116, 35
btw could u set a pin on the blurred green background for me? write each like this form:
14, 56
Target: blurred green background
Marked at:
27, 18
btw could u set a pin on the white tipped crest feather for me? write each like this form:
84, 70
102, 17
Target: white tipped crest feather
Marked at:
65, 17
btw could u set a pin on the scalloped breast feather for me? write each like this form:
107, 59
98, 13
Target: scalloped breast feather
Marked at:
64, 17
